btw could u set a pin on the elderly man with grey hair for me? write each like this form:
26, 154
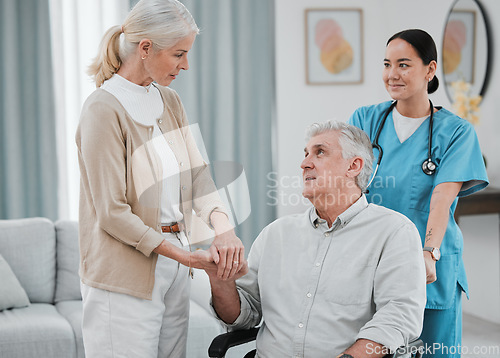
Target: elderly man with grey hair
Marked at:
345, 278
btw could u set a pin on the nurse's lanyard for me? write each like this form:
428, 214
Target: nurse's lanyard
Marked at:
428, 166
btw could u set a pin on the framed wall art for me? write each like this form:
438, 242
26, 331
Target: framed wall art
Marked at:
334, 46
459, 46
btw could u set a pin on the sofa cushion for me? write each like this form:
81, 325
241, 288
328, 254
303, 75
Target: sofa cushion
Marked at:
12, 294
35, 331
29, 246
68, 259
72, 311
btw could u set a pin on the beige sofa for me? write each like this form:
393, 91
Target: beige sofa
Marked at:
45, 321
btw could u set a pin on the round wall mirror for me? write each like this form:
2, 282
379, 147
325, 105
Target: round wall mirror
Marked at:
466, 53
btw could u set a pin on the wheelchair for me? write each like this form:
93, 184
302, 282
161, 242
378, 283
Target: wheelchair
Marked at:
221, 344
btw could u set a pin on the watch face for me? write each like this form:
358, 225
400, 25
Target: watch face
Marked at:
436, 253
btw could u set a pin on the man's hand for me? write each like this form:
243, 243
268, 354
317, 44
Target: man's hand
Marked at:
227, 249
364, 348
225, 298
430, 267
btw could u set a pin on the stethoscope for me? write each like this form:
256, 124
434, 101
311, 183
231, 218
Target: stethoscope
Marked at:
428, 166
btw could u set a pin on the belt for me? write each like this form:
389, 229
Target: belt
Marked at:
175, 227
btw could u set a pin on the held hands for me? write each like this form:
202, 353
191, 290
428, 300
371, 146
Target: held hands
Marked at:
225, 259
212, 272
203, 259
226, 268
430, 268
227, 250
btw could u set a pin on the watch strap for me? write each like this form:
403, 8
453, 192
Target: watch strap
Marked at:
431, 250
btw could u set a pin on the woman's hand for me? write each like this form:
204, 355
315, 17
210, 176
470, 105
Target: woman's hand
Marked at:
227, 249
201, 259
212, 273
442, 198
430, 267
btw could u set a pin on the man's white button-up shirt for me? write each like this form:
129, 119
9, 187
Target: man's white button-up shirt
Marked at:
319, 289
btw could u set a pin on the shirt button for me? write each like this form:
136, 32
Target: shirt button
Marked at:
170, 142
309, 295
301, 325
181, 164
183, 187
318, 264
160, 121
327, 234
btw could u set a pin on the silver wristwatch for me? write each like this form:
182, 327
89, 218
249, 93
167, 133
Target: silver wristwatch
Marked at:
435, 253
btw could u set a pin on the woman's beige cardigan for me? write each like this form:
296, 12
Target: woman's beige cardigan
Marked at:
120, 191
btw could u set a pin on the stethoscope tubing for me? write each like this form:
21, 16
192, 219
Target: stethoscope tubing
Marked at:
428, 166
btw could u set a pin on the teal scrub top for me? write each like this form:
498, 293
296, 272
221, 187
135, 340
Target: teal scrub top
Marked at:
401, 185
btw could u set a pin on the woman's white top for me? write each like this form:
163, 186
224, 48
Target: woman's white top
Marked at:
405, 126
145, 105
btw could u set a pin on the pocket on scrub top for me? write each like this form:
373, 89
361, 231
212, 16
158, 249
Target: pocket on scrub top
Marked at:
421, 189
441, 294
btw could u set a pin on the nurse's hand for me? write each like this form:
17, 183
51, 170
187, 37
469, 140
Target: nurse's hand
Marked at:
430, 267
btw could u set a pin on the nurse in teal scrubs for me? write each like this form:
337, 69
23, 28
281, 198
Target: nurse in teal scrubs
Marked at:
428, 199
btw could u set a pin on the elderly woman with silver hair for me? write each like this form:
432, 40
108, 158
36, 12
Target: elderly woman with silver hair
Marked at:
141, 177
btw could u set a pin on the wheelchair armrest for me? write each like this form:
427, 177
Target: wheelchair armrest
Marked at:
220, 345
412, 350
223, 342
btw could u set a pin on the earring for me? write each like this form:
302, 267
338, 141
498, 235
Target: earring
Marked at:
143, 57
430, 79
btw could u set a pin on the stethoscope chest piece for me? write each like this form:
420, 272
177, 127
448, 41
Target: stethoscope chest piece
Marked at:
429, 167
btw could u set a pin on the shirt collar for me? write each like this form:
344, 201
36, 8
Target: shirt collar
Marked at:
344, 218
125, 84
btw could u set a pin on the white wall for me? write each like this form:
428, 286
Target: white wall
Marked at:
299, 105
481, 252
